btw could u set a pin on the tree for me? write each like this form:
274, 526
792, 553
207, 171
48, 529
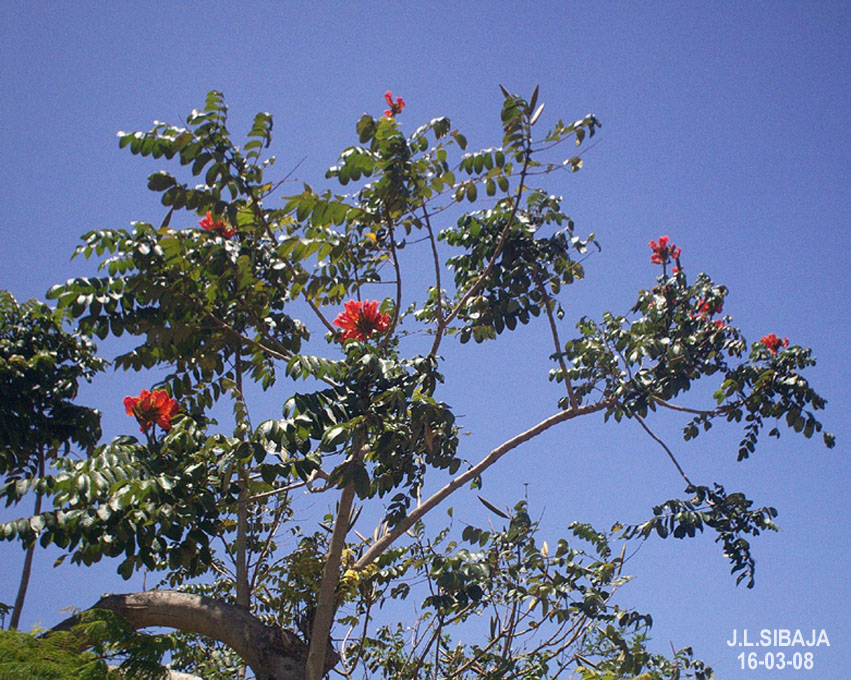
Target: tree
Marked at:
233, 305
40, 368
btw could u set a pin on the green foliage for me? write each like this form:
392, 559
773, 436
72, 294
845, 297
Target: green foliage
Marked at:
528, 268
528, 593
41, 365
25, 656
99, 646
622, 656
238, 297
386, 405
729, 515
145, 503
671, 343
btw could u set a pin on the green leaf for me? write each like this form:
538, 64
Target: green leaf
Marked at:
472, 192
490, 506
335, 437
360, 478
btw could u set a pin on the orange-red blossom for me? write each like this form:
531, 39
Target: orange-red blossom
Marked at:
395, 107
152, 408
219, 227
772, 343
361, 319
662, 251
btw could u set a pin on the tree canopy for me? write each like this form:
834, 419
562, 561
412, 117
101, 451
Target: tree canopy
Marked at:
353, 293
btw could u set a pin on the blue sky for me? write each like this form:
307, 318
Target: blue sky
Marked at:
724, 126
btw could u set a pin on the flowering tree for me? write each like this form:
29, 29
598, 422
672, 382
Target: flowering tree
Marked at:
237, 300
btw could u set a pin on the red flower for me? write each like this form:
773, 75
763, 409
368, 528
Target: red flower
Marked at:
663, 253
219, 227
152, 408
773, 343
395, 108
361, 319
705, 311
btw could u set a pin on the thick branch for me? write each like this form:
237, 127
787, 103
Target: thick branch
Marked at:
273, 653
385, 541
324, 615
170, 674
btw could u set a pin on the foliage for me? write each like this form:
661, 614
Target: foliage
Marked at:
235, 299
24, 656
84, 652
41, 365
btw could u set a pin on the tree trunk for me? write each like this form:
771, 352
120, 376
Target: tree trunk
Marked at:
273, 653
28, 558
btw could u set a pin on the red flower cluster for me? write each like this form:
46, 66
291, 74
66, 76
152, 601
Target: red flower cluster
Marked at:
662, 251
704, 311
361, 319
219, 227
152, 408
773, 343
395, 107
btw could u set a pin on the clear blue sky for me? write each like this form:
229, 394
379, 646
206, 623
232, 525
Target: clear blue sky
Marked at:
725, 125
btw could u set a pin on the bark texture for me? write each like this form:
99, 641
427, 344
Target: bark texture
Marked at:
273, 653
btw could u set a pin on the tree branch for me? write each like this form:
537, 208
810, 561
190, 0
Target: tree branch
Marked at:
436, 261
324, 615
272, 652
664, 446
170, 674
397, 269
325, 609
686, 409
571, 397
387, 539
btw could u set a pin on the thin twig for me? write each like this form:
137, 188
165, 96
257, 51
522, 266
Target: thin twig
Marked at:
436, 259
267, 545
664, 446
548, 306
391, 238
686, 409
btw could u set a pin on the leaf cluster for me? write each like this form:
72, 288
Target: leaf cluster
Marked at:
41, 366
